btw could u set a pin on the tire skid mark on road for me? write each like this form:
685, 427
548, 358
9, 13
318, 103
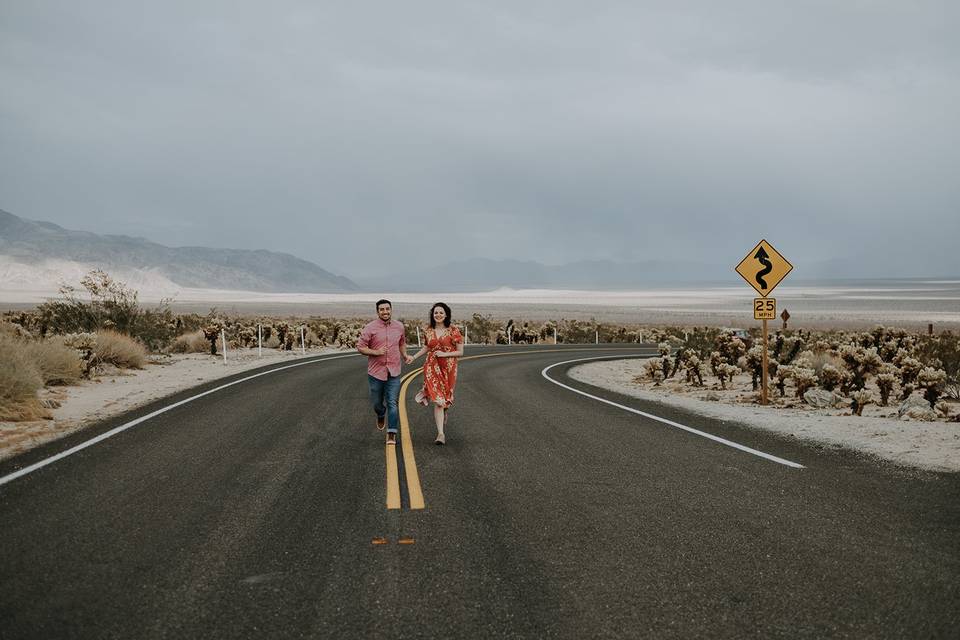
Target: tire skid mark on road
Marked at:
677, 425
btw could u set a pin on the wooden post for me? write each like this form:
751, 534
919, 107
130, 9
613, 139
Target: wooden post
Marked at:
763, 392
930, 328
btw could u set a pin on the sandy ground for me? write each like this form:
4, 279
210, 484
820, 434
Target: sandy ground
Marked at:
907, 305
934, 446
120, 391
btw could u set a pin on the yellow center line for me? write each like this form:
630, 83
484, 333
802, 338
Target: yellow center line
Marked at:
409, 460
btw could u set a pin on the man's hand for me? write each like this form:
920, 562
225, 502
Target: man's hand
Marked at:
380, 352
408, 359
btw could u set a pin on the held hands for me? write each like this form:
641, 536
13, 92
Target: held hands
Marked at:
409, 359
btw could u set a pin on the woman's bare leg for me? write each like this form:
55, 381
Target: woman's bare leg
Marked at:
438, 418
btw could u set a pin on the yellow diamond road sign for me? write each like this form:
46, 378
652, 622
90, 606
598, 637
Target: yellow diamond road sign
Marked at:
764, 268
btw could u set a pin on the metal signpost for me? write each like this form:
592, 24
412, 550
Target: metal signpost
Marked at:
763, 269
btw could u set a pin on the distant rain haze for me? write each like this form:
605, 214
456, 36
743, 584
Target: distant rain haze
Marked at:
372, 137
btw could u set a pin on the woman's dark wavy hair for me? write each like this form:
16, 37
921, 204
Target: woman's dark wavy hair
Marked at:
446, 321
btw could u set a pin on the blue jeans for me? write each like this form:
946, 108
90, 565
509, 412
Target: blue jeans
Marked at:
386, 392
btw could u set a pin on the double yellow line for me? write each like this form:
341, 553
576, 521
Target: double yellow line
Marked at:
409, 461
406, 438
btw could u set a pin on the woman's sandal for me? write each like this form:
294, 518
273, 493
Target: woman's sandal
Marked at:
441, 439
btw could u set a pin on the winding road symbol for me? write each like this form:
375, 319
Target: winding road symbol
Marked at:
763, 268
763, 259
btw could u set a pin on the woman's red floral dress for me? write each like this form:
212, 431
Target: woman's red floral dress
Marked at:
440, 374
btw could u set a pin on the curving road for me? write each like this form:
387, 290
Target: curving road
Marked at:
253, 511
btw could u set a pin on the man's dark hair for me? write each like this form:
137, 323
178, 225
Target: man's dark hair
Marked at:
446, 321
383, 301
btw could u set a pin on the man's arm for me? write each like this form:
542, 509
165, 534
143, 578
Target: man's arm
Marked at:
363, 345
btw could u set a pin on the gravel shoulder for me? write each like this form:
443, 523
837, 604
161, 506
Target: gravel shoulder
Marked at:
933, 446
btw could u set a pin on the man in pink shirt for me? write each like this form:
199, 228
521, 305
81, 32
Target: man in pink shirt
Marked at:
384, 343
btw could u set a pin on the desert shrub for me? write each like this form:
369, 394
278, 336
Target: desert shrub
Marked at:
156, 327
119, 350
194, 342
20, 379
57, 363
112, 304
273, 342
943, 352
109, 304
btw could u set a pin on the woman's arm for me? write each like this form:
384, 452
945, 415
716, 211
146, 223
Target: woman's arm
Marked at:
452, 354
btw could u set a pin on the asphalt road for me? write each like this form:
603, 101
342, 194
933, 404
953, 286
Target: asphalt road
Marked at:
252, 512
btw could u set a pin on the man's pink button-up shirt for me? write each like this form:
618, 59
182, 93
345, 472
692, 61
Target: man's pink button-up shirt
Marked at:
377, 335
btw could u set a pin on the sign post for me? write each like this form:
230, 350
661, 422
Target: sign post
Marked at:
763, 269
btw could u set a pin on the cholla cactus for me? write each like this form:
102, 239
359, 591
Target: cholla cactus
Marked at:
932, 381
729, 347
885, 381
693, 368
725, 372
804, 378
860, 363
784, 373
753, 362
666, 362
212, 333
861, 398
943, 409
909, 367
654, 371
831, 377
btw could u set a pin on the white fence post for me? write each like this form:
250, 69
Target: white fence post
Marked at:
466, 337
641, 335
418, 336
259, 340
303, 340
223, 339
598, 337
554, 335
510, 335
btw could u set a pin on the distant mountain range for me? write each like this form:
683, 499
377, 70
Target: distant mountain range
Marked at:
36, 255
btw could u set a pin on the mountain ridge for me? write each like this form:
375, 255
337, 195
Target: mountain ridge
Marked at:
34, 243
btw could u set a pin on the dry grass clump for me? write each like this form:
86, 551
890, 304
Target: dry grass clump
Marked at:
57, 363
119, 350
194, 342
20, 380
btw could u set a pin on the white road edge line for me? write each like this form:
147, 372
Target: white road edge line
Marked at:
709, 436
103, 436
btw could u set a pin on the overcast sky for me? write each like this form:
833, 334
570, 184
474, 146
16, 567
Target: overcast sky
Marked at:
373, 136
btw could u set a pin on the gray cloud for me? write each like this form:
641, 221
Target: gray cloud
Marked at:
384, 132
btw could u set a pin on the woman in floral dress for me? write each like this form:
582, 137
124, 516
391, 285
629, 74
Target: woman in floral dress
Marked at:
444, 345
